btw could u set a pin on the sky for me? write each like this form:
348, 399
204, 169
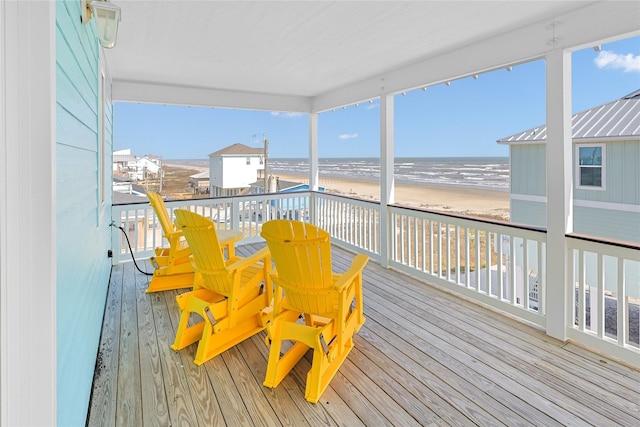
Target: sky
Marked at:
464, 119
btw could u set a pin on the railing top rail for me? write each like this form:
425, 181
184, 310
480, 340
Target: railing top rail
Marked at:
224, 199
603, 241
351, 198
469, 218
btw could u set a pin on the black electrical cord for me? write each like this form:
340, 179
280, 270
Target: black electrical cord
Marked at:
131, 250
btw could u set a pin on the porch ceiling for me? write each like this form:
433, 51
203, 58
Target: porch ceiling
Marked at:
314, 55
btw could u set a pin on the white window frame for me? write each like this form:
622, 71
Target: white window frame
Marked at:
602, 167
102, 99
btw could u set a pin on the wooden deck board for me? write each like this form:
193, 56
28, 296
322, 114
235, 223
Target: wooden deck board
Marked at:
566, 380
154, 409
423, 357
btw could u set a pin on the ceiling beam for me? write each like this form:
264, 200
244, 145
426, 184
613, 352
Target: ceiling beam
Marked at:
158, 93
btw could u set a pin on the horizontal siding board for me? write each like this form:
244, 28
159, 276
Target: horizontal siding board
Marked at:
607, 223
72, 132
80, 39
82, 73
528, 212
68, 97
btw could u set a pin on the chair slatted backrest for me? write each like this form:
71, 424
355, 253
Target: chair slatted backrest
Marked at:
302, 256
202, 237
156, 202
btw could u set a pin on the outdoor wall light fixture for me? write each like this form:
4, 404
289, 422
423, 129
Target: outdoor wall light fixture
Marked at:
107, 19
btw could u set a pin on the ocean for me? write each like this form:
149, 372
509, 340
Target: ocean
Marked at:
483, 172
491, 173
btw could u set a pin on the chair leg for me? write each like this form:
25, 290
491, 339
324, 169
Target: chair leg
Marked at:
192, 302
279, 366
221, 336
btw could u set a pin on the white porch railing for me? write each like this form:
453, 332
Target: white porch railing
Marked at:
501, 265
606, 297
244, 213
498, 264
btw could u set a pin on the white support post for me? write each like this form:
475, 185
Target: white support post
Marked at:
27, 213
313, 165
313, 151
559, 193
387, 182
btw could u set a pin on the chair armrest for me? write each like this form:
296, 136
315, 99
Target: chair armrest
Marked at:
174, 235
242, 263
357, 265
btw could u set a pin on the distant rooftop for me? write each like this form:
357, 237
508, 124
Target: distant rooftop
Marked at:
238, 150
616, 120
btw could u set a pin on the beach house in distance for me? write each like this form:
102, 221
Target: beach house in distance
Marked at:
606, 171
233, 169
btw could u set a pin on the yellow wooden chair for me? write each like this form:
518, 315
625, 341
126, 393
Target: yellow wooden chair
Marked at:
172, 269
330, 303
232, 296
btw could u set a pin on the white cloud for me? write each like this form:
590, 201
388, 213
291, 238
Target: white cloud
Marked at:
348, 135
629, 63
286, 115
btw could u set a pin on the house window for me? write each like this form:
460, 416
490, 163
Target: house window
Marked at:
248, 160
590, 173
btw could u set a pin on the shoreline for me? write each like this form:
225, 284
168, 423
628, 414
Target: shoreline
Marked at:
467, 200
486, 203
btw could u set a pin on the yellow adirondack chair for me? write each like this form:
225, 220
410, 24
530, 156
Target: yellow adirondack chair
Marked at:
330, 303
232, 297
172, 269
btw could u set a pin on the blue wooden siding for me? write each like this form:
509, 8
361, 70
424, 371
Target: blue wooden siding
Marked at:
528, 212
622, 175
612, 224
528, 172
83, 234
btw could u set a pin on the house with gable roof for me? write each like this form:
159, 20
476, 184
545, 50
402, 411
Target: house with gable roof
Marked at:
233, 169
606, 171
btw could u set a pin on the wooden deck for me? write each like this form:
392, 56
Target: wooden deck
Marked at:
423, 357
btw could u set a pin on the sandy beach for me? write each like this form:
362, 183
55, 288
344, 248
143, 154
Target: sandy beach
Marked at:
457, 200
466, 201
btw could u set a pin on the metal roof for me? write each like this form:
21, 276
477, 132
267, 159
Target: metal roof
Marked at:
616, 120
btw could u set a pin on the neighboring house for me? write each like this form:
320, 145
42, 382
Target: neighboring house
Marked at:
606, 171
234, 168
134, 167
199, 182
124, 163
147, 168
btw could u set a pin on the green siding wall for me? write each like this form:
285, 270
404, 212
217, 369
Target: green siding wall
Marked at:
528, 171
83, 232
